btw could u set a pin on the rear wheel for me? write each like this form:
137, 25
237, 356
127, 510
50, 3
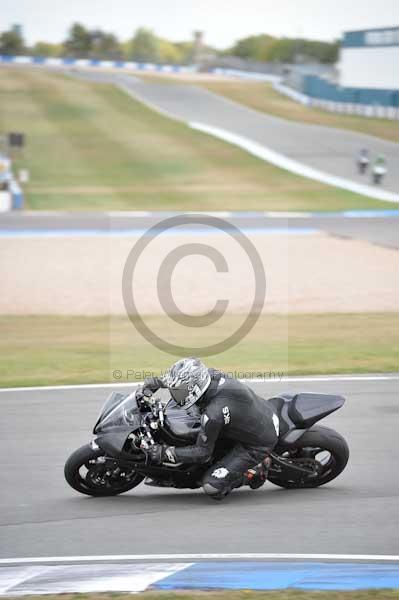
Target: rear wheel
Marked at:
87, 472
322, 451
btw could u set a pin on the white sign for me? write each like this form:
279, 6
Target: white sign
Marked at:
5, 201
387, 37
23, 176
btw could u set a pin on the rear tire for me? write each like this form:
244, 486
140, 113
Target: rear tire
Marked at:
79, 469
325, 439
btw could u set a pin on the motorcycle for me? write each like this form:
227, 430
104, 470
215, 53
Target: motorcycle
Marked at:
362, 165
378, 174
116, 461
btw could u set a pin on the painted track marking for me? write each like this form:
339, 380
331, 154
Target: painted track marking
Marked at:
299, 379
211, 556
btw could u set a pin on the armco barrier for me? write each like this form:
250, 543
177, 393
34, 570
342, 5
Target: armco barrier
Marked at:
344, 107
322, 89
246, 74
42, 61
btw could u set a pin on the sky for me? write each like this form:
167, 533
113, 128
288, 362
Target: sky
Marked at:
223, 21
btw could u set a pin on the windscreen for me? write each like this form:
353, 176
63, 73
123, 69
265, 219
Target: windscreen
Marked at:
118, 411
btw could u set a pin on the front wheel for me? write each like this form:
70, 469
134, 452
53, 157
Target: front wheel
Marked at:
88, 472
322, 451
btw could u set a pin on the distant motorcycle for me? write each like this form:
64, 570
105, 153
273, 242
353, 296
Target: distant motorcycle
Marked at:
307, 455
379, 170
363, 164
378, 174
363, 161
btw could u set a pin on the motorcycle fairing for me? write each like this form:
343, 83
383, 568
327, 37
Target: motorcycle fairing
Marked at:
113, 442
119, 411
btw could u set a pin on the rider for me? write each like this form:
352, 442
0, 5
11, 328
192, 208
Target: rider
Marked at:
229, 409
363, 160
379, 168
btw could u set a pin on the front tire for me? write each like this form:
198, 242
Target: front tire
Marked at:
317, 441
87, 474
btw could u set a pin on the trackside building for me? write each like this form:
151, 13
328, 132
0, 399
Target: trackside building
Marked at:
370, 59
367, 79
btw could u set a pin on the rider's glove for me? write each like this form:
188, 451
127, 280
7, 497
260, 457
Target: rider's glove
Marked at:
142, 393
159, 453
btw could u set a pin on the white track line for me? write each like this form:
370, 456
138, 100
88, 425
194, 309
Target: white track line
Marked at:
393, 377
190, 557
282, 161
299, 379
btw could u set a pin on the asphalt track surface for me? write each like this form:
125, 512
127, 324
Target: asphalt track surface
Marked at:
382, 230
327, 149
41, 516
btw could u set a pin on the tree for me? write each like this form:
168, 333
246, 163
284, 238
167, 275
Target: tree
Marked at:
104, 45
299, 50
144, 46
285, 50
78, 42
255, 47
46, 49
11, 42
186, 50
169, 52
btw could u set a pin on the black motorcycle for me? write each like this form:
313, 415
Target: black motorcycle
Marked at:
362, 165
117, 460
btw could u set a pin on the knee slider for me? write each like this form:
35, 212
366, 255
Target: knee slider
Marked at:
213, 492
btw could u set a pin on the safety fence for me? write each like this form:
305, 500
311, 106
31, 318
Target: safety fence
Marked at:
269, 77
379, 111
92, 62
383, 104
322, 89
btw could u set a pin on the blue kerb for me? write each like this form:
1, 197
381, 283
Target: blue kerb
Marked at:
54, 233
281, 575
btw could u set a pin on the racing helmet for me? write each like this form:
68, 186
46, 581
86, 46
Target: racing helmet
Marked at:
187, 380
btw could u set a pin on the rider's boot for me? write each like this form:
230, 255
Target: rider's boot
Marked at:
257, 476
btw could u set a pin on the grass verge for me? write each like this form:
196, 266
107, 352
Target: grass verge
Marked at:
92, 147
262, 97
50, 350
228, 595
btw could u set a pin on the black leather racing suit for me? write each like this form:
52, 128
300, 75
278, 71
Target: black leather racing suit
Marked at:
230, 410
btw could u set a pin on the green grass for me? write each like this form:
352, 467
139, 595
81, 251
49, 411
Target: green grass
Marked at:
92, 147
228, 595
49, 350
262, 97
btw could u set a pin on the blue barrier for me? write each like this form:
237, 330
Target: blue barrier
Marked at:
319, 88
94, 62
